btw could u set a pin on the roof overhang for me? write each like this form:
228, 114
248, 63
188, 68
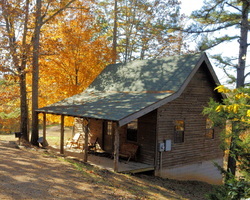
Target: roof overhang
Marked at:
122, 107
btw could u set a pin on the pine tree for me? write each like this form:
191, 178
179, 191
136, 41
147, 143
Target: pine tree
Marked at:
213, 17
216, 16
141, 28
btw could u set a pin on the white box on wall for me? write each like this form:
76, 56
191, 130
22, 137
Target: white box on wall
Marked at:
168, 145
161, 147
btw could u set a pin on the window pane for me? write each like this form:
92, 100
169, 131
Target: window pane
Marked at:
132, 131
209, 124
179, 137
209, 129
179, 131
109, 128
209, 134
179, 125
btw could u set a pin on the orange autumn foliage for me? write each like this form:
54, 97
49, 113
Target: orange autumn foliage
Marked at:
9, 101
73, 54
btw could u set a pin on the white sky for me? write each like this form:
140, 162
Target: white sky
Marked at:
229, 49
190, 5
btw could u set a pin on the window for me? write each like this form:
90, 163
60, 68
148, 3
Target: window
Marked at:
109, 128
209, 129
132, 131
179, 131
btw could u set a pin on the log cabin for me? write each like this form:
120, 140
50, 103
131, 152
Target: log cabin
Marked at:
157, 105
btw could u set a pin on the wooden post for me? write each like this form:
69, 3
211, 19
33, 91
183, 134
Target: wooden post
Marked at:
62, 135
116, 147
86, 141
44, 128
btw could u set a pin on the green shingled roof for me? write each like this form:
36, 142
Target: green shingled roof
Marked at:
122, 90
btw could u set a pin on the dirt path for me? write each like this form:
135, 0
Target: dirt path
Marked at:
30, 175
33, 174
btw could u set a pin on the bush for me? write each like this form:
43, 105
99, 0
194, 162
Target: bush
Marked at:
233, 189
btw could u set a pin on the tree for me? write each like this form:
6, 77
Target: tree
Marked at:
234, 114
42, 16
23, 26
216, 16
114, 44
9, 109
15, 50
73, 54
18, 37
141, 28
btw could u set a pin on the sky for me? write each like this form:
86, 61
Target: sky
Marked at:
189, 5
229, 49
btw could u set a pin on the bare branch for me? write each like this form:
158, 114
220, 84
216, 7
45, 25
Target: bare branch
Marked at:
208, 30
247, 75
7, 69
233, 6
57, 12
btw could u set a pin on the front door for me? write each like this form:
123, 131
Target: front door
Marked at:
108, 140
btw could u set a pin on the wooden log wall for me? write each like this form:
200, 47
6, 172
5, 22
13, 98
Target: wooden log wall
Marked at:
188, 107
147, 138
96, 127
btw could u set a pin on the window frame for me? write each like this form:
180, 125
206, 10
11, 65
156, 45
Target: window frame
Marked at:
209, 133
109, 127
132, 131
179, 131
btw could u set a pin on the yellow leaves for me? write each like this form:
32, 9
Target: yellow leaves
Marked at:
219, 108
222, 89
241, 96
248, 113
76, 54
237, 95
234, 108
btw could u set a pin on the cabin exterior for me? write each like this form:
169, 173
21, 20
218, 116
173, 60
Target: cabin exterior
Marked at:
158, 108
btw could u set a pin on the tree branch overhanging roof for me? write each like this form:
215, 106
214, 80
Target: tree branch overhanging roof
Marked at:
124, 92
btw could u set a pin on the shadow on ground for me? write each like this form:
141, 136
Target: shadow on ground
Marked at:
36, 174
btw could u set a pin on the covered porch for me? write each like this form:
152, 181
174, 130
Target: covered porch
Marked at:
105, 162
98, 158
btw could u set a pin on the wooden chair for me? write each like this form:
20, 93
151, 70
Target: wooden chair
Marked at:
75, 140
92, 143
128, 150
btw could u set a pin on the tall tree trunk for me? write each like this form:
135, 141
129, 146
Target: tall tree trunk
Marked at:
243, 44
232, 165
115, 34
35, 63
35, 73
23, 91
20, 64
24, 107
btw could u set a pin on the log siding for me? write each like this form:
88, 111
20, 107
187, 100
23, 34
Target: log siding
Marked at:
188, 107
147, 137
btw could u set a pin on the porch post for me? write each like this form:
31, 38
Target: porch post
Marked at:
62, 135
44, 128
86, 141
116, 147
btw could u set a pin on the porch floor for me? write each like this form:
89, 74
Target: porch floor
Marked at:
104, 162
